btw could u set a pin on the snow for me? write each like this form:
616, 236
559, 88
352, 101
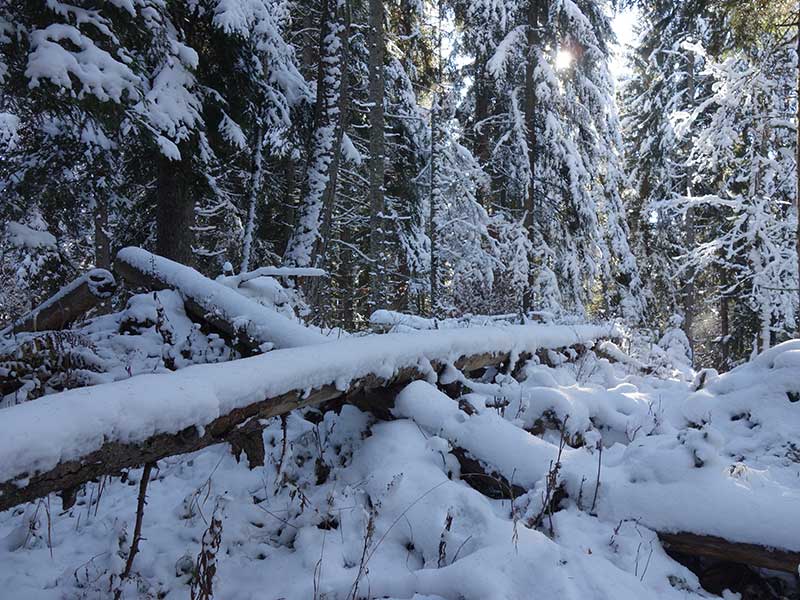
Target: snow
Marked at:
24, 236
9, 128
400, 322
97, 71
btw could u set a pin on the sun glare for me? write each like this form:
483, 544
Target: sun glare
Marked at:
563, 59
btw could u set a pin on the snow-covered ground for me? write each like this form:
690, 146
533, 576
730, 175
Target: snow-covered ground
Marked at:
351, 507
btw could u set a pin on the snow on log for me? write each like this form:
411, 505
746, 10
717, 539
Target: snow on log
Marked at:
509, 458
280, 272
71, 301
64, 440
390, 320
251, 324
512, 452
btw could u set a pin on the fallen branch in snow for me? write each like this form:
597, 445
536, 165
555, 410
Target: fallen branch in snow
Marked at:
484, 479
500, 451
253, 326
612, 353
71, 301
137, 530
710, 546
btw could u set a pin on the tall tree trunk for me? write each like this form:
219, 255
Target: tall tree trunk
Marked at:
797, 173
481, 130
284, 213
434, 190
376, 154
530, 114
689, 288
341, 117
724, 333
432, 212
346, 276
309, 240
255, 185
102, 245
174, 209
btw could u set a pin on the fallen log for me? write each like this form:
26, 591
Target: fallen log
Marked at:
71, 301
709, 546
253, 326
64, 440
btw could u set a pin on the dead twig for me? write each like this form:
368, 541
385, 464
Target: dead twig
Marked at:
137, 530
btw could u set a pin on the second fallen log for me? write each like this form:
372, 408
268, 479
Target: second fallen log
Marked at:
71, 301
250, 324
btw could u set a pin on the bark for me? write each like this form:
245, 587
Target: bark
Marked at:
715, 547
342, 120
724, 333
174, 209
71, 302
284, 213
309, 242
376, 151
481, 478
346, 308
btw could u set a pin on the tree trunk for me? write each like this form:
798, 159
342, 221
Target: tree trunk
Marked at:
710, 546
530, 114
102, 245
255, 184
432, 212
481, 131
252, 326
341, 117
724, 333
285, 211
434, 191
174, 209
797, 173
309, 239
689, 225
346, 275
376, 151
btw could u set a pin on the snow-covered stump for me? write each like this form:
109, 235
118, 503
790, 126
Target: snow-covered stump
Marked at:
71, 302
251, 325
64, 440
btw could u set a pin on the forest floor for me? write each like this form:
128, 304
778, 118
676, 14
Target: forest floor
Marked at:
585, 462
